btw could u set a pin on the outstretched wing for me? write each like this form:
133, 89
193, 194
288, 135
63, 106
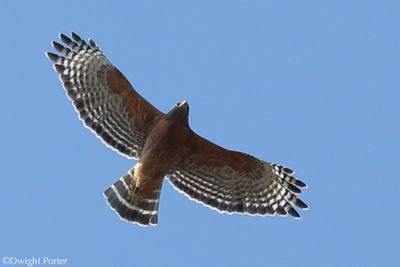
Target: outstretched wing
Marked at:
231, 181
103, 97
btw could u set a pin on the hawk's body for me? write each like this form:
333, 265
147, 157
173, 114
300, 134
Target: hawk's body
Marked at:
162, 151
165, 145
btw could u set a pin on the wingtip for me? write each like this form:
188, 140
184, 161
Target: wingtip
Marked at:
46, 54
51, 56
63, 37
57, 46
59, 68
75, 37
299, 203
92, 43
294, 213
288, 170
294, 188
301, 184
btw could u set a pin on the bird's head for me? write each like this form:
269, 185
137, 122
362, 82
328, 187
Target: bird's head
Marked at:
179, 113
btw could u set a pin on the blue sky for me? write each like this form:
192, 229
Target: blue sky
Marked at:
313, 85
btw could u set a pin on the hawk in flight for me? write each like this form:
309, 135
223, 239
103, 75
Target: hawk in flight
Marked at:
165, 146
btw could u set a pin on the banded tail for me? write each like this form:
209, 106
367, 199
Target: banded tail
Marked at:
129, 207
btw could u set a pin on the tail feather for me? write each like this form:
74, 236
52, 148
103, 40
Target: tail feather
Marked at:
128, 206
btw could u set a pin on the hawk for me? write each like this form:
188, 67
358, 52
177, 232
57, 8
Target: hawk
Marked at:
165, 146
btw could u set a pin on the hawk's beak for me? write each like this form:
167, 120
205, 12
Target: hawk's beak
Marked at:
184, 103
